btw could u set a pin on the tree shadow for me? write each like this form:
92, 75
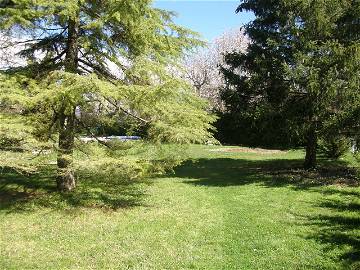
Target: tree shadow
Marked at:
338, 229
20, 192
222, 172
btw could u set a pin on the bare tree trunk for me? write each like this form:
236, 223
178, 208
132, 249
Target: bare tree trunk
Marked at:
65, 176
311, 147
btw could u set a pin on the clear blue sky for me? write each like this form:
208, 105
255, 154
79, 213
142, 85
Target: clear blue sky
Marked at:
209, 18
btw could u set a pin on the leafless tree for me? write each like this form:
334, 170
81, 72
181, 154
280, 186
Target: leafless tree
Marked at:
9, 49
202, 69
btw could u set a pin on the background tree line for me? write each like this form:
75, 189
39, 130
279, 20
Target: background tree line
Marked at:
296, 83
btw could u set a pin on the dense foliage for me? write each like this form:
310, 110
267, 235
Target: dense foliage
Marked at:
89, 63
302, 67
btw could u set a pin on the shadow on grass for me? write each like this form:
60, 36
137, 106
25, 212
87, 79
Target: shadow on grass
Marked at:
340, 227
24, 193
338, 230
221, 172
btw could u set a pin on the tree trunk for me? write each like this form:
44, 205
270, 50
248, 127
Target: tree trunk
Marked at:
65, 176
311, 146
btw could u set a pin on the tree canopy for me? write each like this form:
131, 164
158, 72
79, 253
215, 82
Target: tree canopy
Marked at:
87, 61
302, 65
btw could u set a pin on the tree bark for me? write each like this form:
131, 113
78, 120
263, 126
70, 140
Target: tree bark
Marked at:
65, 175
311, 147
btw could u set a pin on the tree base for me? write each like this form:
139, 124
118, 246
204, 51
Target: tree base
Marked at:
66, 182
308, 165
311, 147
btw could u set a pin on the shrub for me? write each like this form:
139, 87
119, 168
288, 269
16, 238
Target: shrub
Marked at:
126, 161
334, 146
10, 143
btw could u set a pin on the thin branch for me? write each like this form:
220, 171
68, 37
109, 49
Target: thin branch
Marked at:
92, 134
53, 29
85, 69
127, 112
101, 70
20, 42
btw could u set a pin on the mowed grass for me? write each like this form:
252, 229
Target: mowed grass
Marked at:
220, 210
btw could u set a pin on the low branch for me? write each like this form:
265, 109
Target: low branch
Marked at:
92, 134
127, 112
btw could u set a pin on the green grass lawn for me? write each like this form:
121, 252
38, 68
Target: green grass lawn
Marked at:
221, 210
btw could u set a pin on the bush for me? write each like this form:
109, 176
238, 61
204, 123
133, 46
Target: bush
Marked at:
10, 143
126, 161
334, 146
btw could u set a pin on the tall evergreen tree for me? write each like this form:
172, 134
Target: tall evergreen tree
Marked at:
113, 54
303, 63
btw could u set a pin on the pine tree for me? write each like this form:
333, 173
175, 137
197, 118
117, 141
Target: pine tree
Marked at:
83, 55
303, 62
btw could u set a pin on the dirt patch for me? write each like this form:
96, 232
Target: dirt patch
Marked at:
339, 176
249, 150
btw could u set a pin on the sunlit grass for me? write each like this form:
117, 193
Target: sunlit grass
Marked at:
221, 210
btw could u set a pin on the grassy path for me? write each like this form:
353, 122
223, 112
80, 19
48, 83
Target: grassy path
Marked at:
223, 211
